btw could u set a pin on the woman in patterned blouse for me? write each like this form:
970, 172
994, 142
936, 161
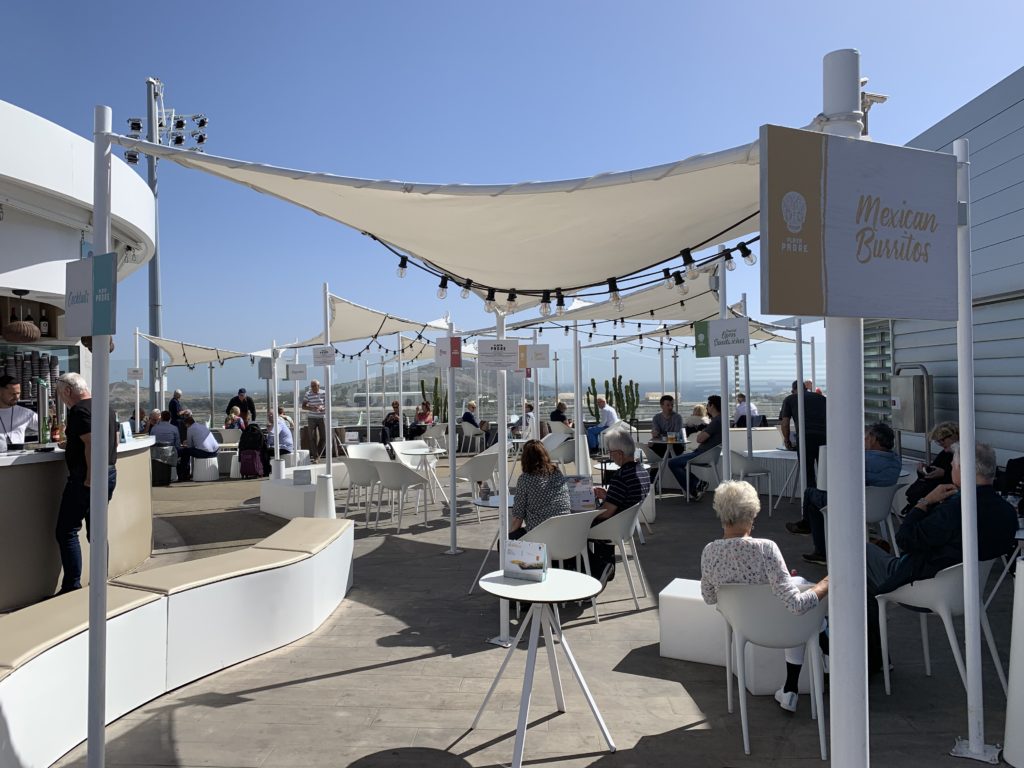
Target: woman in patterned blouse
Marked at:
737, 558
540, 493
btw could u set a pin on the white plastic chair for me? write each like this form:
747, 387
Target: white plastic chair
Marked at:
552, 440
403, 454
436, 435
754, 615
565, 537
943, 595
743, 467
560, 428
564, 453
470, 435
396, 477
362, 475
479, 469
704, 466
878, 510
618, 529
371, 451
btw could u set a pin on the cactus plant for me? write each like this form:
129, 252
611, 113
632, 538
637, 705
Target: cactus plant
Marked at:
438, 402
592, 399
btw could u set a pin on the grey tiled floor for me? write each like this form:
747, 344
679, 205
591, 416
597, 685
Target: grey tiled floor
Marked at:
395, 675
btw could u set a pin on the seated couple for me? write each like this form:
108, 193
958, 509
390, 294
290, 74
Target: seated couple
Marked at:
706, 439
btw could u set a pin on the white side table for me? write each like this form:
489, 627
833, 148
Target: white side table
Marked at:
425, 468
560, 586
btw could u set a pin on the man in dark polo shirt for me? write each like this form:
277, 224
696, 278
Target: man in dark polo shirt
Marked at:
814, 428
631, 483
73, 391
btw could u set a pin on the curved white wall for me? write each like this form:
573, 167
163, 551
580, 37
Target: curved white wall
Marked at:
46, 190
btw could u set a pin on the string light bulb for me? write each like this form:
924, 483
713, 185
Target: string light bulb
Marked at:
464, 293
680, 283
687, 257
489, 301
613, 293
559, 302
442, 288
511, 303
668, 278
545, 304
748, 255
567, 330
730, 262
403, 264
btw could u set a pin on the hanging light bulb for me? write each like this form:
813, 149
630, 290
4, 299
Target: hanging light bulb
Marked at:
567, 330
442, 289
559, 302
540, 331
668, 278
748, 255
613, 293
489, 301
730, 262
590, 337
687, 257
464, 293
510, 303
680, 283
403, 264
545, 304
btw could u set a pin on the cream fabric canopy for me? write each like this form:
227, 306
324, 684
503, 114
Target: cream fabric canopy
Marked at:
423, 349
183, 353
353, 322
758, 332
528, 236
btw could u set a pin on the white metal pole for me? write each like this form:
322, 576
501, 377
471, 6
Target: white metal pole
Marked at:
163, 384
615, 366
536, 397
723, 372
503, 636
975, 746
746, 386
323, 501
366, 373
675, 374
274, 354
296, 406
801, 427
96, 717
661, 363
556, 377
582, 449
844, 349
212, 411
453, 545
401, 391
138, 401
383, 390
814, 365
476, 372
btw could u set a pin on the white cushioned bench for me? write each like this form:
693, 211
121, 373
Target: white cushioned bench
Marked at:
44, 669
692, 630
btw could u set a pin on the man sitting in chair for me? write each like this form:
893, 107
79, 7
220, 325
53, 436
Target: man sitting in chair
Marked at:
706, 440
881, 468
930, 537
631, 483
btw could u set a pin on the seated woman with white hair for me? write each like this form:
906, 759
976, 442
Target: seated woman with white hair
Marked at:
738, 558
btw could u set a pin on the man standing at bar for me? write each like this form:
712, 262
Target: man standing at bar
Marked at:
814, 429
314, 403
73, 391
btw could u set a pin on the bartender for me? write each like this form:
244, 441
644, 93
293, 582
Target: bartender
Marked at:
15, 420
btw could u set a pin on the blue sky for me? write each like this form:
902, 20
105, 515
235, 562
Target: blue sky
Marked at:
454, 92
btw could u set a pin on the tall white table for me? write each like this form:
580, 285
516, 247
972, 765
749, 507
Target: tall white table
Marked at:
559, 587
427, 469
783, 464
491, 502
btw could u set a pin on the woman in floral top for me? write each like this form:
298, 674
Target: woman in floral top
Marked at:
737, 558
540, 493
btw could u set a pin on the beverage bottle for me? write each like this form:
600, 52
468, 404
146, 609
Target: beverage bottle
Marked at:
44, 323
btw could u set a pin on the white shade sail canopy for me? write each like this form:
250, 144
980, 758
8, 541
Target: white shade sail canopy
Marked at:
759, 332
529, 236
422, 350
184, 353
354, 322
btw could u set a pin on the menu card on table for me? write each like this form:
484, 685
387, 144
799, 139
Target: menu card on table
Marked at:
525, 560
581, 493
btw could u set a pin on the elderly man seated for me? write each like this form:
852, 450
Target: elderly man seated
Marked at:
199, 444
930, 537
881, 468
606, 416
164, 432
631, 483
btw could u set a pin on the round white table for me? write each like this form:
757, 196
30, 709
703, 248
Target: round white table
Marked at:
560, 586
427, 469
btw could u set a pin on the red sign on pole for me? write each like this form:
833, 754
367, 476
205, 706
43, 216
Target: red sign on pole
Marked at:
456, 351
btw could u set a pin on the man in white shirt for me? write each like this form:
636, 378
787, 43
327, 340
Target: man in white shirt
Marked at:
606, 418
745, 411
199, 444
277, 429
15, 420
314, 403
164, 432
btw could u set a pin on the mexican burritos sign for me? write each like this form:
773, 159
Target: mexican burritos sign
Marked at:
850, 228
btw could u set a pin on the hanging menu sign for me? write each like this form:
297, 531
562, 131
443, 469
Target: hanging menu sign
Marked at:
498, 355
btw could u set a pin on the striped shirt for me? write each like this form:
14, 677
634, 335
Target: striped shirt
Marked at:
629, 487
314, 401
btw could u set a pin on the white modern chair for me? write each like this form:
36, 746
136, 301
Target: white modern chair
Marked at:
362, 476
743, 467
479, 469
560, 427
704, 466
554, 439
436, 435
564, 453
565, 537
618, 529
943, 595
395, 477
878, 510
403, 453
754, 615
371, 451
471, 435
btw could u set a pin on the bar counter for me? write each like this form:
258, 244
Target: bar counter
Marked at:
31, 485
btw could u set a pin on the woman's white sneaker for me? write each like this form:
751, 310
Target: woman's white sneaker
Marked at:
787, 699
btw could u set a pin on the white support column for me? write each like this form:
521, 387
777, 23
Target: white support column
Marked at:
296, 408
476, 373
366, 373
814, 365
675, 376
582, 449
848, 693
138, 401
974, 747
503, 638
536, 396
800, 422
323, 504
383, 390
661, 363
746, 386
277, 465
453, 544
555, 360
723, 369
615, 366
401, 390
100, 446
212, 411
